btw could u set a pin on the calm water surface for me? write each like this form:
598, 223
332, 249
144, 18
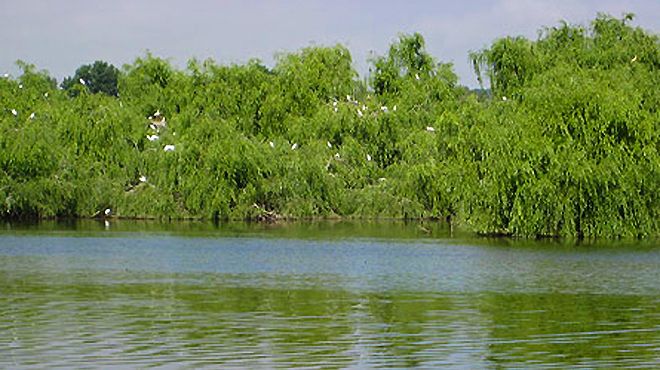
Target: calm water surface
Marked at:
323, 295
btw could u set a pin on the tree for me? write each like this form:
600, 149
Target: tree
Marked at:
32, 77
98, 77
406, 58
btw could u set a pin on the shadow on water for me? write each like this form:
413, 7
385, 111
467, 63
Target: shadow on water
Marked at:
315, 229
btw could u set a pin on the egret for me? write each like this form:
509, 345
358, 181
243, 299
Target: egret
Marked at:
430, 129
45, 95
329, 144
335, 109
152, 137
504, 98
143, 178
271, 144
107, 212
359, 112
417, 76
368, 158
294, 146
169, 148
384, 109
20, 86
348, 98
394, 108
82, 81
14, 112
32, 115
364, 107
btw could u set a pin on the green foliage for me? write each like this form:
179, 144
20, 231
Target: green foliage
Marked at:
574, 153
564, 144
99, 77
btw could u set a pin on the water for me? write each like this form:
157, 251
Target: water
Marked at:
322, 295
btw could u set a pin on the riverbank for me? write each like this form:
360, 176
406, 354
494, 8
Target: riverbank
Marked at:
565, 145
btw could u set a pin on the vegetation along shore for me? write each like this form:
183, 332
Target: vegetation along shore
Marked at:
564, 143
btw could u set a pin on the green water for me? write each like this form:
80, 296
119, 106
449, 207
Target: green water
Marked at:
329, 295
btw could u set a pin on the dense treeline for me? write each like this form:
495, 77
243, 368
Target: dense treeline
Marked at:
566, 144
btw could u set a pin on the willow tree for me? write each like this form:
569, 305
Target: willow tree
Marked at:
575, 152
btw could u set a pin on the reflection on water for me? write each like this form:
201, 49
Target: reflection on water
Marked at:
257, 299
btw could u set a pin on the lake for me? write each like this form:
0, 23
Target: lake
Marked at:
131, 294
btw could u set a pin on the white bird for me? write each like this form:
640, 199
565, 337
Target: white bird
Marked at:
381, 179
107, 212
359, 112
32, 115
14, 112
364, 107
417, 76
335, 109
82, 81
504, 98
169, 148
20, 86
394, 108
143, 178
368, 158
384, 109
430, 129
294, 146
348, 98
152, 137
271, 144
334, 103
45, 95
329, 144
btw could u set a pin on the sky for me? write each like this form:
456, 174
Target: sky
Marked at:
59, 36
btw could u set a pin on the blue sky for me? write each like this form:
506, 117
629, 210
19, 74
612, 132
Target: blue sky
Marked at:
59, 36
